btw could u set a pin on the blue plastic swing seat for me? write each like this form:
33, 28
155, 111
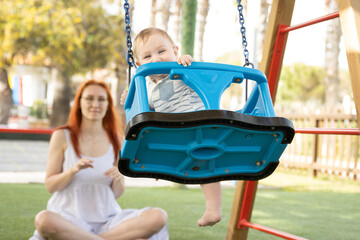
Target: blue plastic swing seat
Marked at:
203, 146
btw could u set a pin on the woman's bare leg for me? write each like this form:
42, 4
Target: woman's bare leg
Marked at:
51, 225
145, 226
212, 214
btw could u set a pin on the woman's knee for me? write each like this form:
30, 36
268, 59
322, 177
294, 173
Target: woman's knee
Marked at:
157, 217
161, 216
45, 222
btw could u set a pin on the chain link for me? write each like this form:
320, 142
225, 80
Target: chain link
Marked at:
130, 54
243, 34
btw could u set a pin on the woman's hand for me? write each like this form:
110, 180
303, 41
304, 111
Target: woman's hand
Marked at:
114, 174
185, 60
83, 163
118, 184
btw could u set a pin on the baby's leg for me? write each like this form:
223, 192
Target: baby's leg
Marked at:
212, 214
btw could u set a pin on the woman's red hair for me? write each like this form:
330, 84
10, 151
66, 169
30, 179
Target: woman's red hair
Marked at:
110, 120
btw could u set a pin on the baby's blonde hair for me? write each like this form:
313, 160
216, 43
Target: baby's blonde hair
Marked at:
144, 35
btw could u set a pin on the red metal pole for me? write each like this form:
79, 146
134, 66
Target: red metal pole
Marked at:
26, 130
270, 231
280, 46
341, 131
311, 22
276, 60
246, 205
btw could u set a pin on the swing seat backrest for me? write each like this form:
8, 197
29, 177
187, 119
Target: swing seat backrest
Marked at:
208, 145
208, 80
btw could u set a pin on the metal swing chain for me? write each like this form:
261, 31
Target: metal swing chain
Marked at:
130, 54
243, 34
244, 43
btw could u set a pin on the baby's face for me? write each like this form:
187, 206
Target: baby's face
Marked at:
157, 48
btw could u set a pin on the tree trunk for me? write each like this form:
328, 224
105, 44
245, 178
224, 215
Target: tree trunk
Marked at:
6, 101
121, 83
153, 13
61, 102
162, 14
332, 51
188, 26
131, 10
118, 88
264, 9
177, 20
203, 12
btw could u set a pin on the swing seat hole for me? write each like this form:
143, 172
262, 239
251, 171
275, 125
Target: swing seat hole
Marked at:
206, 153
196, 168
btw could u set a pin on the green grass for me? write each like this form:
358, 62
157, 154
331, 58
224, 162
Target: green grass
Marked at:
325, 208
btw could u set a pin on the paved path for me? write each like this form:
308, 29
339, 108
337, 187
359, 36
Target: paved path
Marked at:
23, 155
24, 161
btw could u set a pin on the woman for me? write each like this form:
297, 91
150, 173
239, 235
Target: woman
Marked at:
82, 173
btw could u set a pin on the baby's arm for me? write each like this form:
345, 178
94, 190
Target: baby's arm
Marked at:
123, 97
185, 60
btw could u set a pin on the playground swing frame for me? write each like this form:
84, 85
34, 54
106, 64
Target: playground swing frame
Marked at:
238, 227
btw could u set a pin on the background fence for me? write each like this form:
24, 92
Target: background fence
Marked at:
330, 154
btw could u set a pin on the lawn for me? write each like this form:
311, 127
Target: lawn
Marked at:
314, 209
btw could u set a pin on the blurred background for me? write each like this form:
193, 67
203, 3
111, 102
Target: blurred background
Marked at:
48, 47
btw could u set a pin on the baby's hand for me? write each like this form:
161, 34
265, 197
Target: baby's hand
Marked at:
123, 97
185, 60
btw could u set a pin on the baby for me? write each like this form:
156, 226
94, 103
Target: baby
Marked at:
165, 95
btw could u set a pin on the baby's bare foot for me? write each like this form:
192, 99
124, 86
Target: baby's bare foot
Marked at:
210, 217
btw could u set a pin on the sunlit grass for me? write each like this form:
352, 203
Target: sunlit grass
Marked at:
325, 208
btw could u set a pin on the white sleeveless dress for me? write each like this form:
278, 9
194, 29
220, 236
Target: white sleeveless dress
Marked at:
88, 201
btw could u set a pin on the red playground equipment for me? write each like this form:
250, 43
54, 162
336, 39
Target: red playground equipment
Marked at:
273, 53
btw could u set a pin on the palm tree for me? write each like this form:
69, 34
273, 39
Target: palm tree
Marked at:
332, 51
6, 101
203, 12
177, 19
263, 17
160, 14
188, 26
153, 13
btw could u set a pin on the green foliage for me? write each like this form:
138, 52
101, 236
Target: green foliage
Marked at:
39, 109
188, 26
73, 36
302, 83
